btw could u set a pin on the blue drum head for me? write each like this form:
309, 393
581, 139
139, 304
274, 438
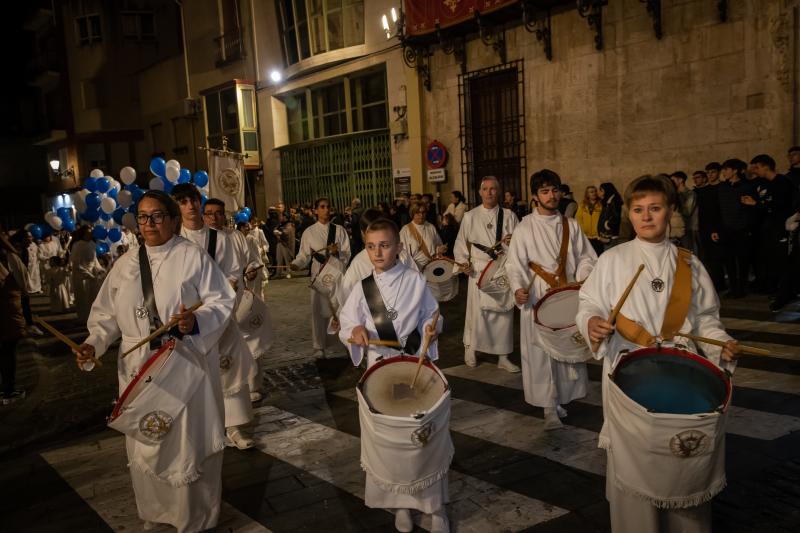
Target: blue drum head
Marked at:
668, 382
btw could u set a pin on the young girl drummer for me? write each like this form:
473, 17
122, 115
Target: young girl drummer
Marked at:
649, 314
395, 301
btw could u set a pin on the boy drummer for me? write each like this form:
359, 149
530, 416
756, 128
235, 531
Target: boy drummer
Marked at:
673, 294
394, 303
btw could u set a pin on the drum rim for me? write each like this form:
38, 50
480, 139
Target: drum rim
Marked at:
406, 358
679, 352
434, 259
483, 273
150, 361
568, 287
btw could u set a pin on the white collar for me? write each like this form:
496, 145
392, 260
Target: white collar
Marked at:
392, 274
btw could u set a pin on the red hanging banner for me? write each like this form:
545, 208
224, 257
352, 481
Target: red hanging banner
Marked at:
423, 15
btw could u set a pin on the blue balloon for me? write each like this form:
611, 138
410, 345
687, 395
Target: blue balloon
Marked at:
203, 199
46, 230
90, 184
114, 234
118, 214
132, 187
67, 224
102, 185
247, 210
101, 249
91, 215
168, 185
92, 201
104, 215
201, 178
158, 167
137, 194
185, 176
37, 231
112, 193
99, 232
64, 213
240, 217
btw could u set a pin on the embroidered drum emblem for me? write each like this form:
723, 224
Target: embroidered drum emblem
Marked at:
502, 282
578, 339
421, 435
141, 312
688, 443
256, 321
327, 280
155, 425
225, 362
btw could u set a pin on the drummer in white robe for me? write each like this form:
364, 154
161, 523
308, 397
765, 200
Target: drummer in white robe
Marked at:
236, 360
182, 274
424, 244
314, 248
548, 382
85, 271
486, 329
649, 200
407, 298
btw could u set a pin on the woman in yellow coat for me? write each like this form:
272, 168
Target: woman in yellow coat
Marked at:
588, 216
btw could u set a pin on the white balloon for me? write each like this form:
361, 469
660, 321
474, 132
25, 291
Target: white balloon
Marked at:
83, 193
173, 173
124, 199
79, 202
48, 216
96, 173
28, 226
174, 163
108, 205
129, 221
156, 184
127, 175
115, 184
55, 222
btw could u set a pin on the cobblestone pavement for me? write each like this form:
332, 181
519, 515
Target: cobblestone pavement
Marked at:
61, 469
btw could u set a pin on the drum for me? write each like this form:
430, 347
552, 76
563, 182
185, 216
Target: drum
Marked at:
255, 322
665, 413
405, 436
554, 316
328, 276
441, 279
493, 280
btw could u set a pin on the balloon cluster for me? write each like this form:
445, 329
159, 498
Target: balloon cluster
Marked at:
169, 173
243, 215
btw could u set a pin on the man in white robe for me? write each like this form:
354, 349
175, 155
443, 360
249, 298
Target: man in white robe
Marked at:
548, 382
236, 360
49, 247
649, 200
487, 327
187, 492
408, 300
315, 247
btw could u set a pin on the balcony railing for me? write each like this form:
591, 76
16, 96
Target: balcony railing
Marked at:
229, 47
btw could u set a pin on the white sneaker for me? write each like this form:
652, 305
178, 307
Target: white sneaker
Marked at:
237, 439
551, 420
469, 358
402, 521
255, 396
147, 526
33, 330
318, 353
439, 522
504, 363
561, 412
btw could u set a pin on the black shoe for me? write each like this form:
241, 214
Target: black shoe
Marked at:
11, 397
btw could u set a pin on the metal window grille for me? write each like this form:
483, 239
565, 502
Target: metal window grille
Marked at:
358, 165
492, 128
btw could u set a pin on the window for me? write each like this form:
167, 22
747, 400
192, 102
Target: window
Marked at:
138, 26
93, 93
231, 112
368, 102
88, 29
95, 155
310, 27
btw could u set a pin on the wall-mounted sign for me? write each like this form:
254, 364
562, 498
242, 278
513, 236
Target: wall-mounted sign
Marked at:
437, 175
436, 154
402, 181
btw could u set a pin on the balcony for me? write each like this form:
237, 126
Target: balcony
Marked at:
229, 48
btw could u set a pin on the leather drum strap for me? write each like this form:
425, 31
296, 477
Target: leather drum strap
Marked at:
384, 326
677, 308
498, 234
147, 291
422, 246
212, 243
558, 278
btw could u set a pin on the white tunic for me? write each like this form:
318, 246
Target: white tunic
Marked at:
56, 278
315, 238
49, 249
361, 267
182, 274
85, 269
34, 273
599, 294
406, 291
484, 330
538, 239
254, 261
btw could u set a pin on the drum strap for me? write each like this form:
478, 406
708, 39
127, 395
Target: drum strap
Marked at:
558, 278
677, 308
384, 326
320, 257
498, 234
212, 243
422, 246
149, 296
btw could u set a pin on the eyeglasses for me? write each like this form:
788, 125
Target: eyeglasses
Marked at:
214, 214
157, 217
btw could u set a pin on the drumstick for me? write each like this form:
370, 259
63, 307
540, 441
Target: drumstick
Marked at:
160, 331
63, 338
378, 342
612, 318
715, 342
424, 352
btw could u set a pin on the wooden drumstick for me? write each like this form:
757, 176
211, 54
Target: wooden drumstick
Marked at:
378, 342
63, 338
742, 348
160, 331
423, 353
612, 318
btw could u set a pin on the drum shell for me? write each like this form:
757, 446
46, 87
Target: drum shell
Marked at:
255, 323
565, 344
444, 291
328, 277
672, 460
494, 287
443, 264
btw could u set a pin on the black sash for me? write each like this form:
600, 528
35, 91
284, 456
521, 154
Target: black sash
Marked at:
212, 243
149, 296
494, 251
383, 325
498, 235
320, 257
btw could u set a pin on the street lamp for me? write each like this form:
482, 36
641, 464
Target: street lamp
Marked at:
275, 76
385, 22
55, 164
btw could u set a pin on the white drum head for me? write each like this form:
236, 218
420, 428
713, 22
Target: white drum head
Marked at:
383, 386
558, 308
438, 271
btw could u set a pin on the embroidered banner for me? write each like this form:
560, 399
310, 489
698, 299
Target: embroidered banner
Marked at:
226, 180
423, 15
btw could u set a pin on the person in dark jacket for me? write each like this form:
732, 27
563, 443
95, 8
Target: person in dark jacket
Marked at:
708, 222
611, 215
736, 223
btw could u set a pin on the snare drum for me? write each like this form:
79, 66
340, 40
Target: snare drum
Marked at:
441, 279
665, 413
493, 280
554, 315
255, 322
379, 382
328, 276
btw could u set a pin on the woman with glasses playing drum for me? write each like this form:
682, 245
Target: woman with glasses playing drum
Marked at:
405, 440
664, 405
183, 489
422, 241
